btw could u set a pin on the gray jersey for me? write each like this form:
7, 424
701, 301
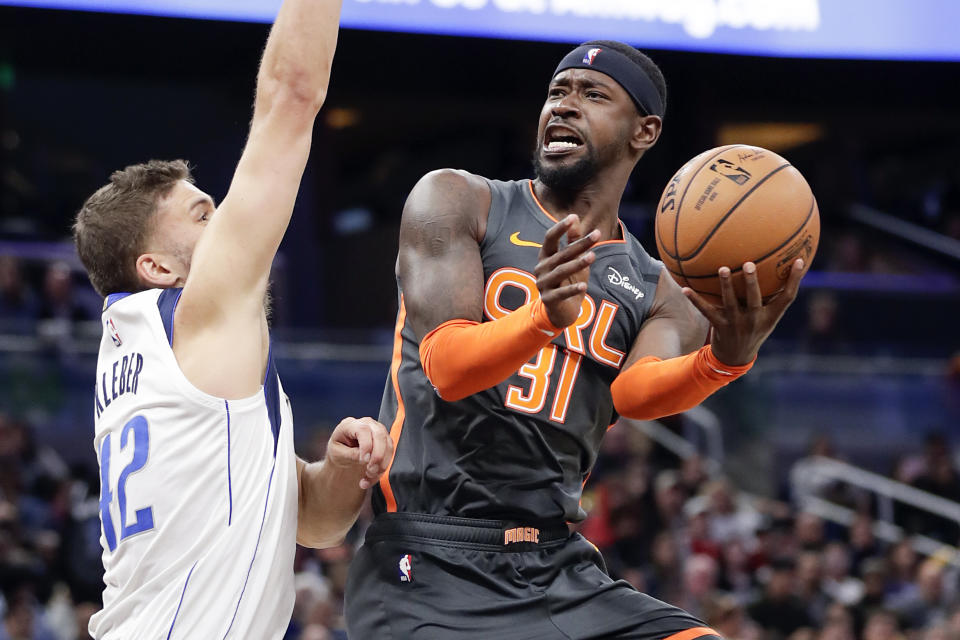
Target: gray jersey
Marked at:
521, 450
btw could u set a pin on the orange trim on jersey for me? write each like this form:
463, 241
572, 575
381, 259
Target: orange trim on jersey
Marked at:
398, 420
692, 634
623, 229
538, 373
537, 200
598, 337
574, 333
568, 378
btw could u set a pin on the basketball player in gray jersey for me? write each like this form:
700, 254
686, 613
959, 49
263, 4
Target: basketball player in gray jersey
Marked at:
529, 319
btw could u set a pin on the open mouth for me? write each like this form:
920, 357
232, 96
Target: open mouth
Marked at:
560, 139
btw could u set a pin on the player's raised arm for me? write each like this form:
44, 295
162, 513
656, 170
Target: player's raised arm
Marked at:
441, 274
666, 373
221, 305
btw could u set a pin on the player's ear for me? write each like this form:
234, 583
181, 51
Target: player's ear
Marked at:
646, 133
157, 271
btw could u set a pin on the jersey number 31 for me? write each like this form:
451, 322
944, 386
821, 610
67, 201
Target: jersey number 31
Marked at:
138, 428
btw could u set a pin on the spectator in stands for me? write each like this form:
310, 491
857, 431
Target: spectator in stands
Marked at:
939, 478
19, 306
822, 333
779, 611
837, 581
863, 544
22, 617
726, 615
731, 516
810, 585
669, 498
882, 625
698, 529
926, 604
953, 622
808, 531
736, 576
700, 573
60, 300
693, 475
664, 575
902, 563
804, 480
874, 573
838, 624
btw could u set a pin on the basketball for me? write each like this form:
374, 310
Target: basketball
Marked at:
731, 205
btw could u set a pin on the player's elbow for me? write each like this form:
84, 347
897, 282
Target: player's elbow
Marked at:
449, 391
443, 373
447, 384
292, 92
630, 402
321, 541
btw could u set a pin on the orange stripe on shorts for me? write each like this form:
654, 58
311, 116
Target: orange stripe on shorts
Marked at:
692, 634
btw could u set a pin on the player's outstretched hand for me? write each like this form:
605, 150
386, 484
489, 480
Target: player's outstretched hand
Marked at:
362, 444
740, 329
562, 274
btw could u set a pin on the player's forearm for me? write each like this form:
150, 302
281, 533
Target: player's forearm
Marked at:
299, 53
330, 500
461, 358
653, 388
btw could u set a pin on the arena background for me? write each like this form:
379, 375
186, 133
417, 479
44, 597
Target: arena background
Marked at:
725, 510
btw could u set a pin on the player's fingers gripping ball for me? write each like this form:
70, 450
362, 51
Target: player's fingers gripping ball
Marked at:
732, 205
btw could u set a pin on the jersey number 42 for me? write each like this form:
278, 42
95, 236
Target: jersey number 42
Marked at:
139, 429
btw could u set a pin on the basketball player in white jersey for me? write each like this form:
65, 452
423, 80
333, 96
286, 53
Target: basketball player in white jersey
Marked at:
202, 497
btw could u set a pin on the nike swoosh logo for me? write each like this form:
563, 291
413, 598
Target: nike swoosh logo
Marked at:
515, 239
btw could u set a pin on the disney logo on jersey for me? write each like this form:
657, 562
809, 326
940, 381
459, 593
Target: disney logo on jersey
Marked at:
617, 279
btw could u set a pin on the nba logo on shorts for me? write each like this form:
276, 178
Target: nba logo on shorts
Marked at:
591, 55
114, 334
406, 568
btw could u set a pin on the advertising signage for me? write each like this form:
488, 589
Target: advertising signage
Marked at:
887, 29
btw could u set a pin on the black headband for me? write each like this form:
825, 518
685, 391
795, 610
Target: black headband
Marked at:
625, 71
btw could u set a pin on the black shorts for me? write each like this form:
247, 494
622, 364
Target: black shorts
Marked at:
443, 578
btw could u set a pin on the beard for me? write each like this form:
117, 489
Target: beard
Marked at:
563, 176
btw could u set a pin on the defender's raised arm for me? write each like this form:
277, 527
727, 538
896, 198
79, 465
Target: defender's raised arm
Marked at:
221, 310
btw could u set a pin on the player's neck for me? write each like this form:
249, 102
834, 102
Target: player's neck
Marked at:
597, 204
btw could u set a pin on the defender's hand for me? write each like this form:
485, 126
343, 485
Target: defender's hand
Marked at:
362, 444
562, 274
739, 330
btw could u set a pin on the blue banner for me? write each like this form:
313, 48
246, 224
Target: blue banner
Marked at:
890, 29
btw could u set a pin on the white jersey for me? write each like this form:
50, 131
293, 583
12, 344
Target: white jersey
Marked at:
198, 500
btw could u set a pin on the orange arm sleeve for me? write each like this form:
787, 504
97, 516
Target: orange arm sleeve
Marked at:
653, 388
462, 357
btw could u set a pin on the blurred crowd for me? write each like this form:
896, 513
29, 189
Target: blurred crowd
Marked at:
48, 300
752, 568
768, 569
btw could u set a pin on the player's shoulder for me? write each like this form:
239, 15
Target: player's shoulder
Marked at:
131, 300
448, 193
452, 187
454, 181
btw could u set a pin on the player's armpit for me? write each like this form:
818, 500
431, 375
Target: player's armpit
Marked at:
462, 357
653, 388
